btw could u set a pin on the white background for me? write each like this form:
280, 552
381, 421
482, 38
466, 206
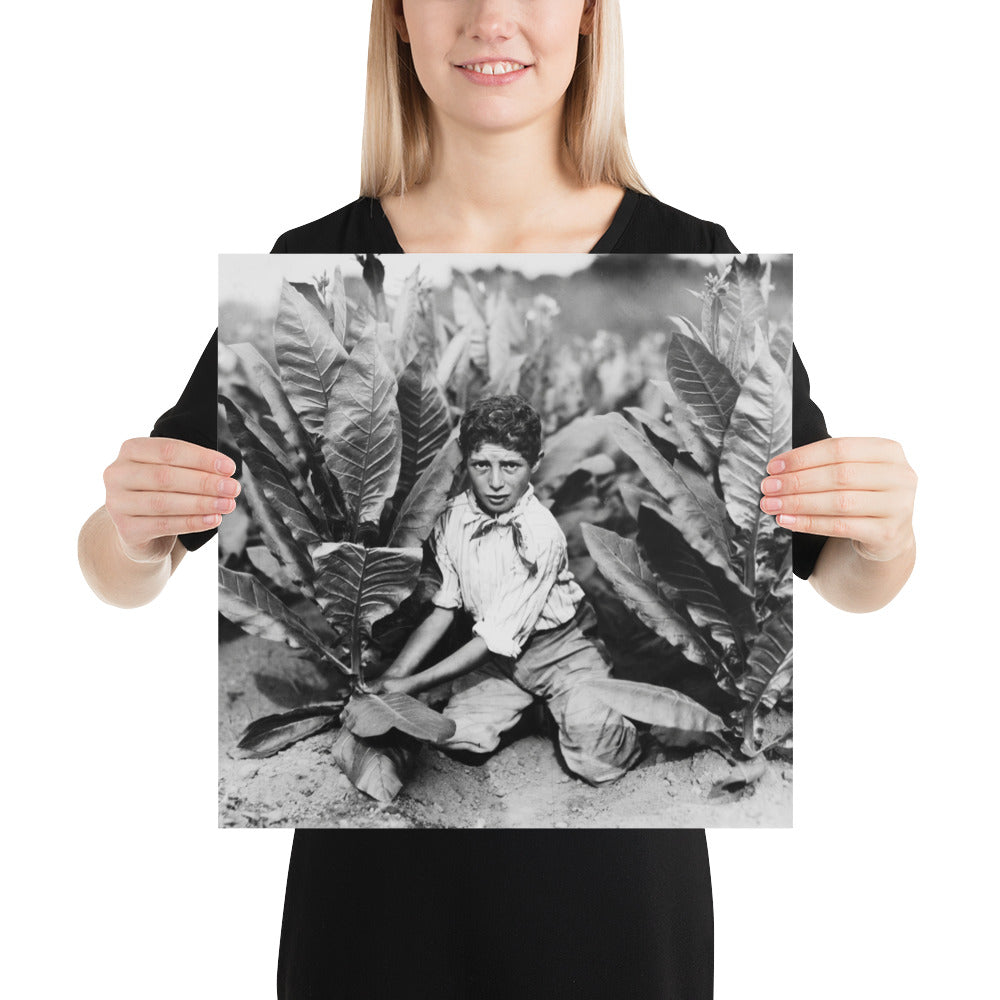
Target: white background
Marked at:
144, 139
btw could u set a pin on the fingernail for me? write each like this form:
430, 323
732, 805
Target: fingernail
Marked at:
226, 466
771, 504
775, 466
771, 485
786, 519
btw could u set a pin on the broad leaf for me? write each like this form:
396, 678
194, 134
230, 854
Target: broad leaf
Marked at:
505, 334
426, 423
743, 308
262, 559
761, 427
506, 379
769, 665
663, 437
427, 499
529, 383
699, 519
687, 327
271, 733
472, 323
309, 357
360, 324
246, 602
619, 562
406, 317
327, 502
710, 599
309, 292
362, 442
452, 357
388, 346
356, 586
691, 434
277, 478
377, 771
569, 447
781, 347
276, 534
338, 306
374, 714
660, 706
705, 386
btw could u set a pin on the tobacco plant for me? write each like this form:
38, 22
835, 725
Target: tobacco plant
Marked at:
706, 569
345, 468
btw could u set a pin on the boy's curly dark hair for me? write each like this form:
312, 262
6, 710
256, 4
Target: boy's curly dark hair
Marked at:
509, 421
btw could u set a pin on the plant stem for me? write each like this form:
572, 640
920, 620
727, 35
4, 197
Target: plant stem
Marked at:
356, 667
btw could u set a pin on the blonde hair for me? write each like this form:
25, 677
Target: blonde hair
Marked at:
396, 143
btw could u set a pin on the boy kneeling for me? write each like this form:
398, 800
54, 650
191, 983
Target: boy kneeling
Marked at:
502, 557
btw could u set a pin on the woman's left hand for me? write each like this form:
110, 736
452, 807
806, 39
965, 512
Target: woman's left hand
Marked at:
850, 487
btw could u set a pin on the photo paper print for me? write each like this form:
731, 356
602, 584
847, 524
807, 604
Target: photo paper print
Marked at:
499, 559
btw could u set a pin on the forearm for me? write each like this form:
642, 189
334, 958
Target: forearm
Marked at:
852, 583
427, 635
110, 574
460, 662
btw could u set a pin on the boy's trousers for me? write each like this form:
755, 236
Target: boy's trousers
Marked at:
597, 743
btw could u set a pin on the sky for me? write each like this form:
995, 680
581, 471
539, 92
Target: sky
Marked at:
256, 278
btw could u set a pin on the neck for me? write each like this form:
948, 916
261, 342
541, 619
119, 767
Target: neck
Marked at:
479, 177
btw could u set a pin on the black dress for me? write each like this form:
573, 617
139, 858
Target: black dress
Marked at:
587, 914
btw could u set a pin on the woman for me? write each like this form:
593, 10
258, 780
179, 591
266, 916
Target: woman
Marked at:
531, 158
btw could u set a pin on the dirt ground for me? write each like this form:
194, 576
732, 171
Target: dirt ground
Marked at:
523, 784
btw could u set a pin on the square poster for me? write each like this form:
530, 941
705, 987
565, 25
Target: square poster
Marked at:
498, 559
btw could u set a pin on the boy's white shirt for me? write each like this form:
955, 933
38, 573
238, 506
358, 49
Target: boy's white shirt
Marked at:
488, 576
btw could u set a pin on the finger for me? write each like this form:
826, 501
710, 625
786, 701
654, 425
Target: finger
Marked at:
841, 503
140, 530
174, 451
833, 451
866, 530
157, 503
141, 476
845, 476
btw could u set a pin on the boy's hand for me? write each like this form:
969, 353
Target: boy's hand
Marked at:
851, 487
385, 685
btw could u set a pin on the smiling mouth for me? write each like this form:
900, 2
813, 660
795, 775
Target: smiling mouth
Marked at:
493, 68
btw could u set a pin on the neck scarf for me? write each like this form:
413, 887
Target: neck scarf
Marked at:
511, 519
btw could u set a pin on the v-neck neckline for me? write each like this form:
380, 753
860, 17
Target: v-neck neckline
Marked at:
605, 244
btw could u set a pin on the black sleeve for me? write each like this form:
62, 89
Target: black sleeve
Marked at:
808, 425
193, 417
719, 239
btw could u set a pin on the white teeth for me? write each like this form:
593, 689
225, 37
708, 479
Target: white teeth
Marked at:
495, 69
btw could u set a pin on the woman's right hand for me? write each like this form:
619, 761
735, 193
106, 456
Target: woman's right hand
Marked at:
158, 488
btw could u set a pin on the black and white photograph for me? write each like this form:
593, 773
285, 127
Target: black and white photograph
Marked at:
499, 558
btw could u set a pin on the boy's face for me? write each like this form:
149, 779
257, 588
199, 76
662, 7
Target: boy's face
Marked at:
499, 476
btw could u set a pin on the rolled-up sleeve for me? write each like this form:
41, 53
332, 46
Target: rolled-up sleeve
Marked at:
449, 594
506, 625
